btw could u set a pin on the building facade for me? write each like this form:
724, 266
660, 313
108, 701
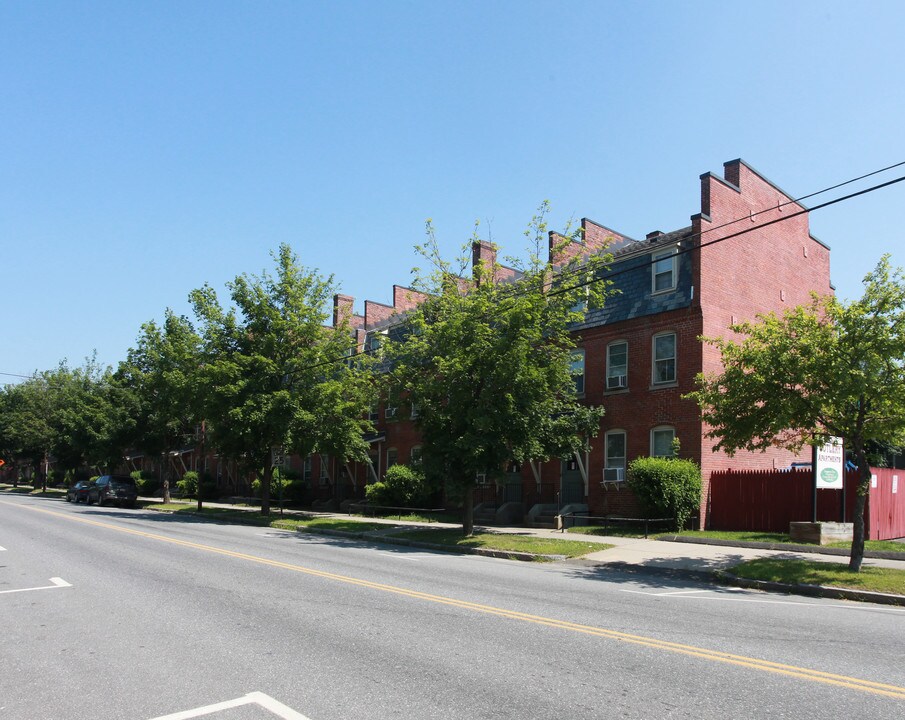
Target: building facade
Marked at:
748, 251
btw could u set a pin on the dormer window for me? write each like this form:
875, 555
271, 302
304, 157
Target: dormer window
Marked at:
664, 271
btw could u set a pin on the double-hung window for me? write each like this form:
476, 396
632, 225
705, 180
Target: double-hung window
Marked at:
577, 368
661, 441
617, 365
664, 271
614, 460
664, 358
392, 403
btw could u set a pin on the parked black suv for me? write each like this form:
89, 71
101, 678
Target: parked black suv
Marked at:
119, 489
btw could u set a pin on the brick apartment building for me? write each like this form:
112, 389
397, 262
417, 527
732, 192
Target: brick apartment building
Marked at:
641, 352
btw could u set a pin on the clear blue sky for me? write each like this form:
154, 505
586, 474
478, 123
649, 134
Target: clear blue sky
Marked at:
148, 148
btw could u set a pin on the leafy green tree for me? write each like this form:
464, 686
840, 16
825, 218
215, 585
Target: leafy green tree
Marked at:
75, 416
827, 369
161, 373
26, 433
91, 415
275, 376
488, 362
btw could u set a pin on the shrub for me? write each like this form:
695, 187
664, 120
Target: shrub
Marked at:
402, 486
666, 487
145, 482
188, 485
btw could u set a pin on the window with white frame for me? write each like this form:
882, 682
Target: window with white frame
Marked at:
415, 455
664, 358
577, 368
617, 365
392, 403
661, 441
664, 271
614, 456
306, 469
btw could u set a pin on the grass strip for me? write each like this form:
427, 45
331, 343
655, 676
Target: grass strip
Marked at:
250, 517
506, 542
744, 536
811, 572
778, 539
30, 490
610, 531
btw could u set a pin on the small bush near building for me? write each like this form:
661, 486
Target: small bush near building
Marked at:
146, 483
188, 485
666, 487
402, 486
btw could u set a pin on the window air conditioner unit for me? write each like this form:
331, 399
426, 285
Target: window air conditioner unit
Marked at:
616, 382
614, 475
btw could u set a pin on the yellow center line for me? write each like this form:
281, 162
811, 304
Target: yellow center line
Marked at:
893, 691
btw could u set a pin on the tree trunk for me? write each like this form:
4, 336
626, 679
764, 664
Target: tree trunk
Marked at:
857, 553
468, 511
165, 479
265, 488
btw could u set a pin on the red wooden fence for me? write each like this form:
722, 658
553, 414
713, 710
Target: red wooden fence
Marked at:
768, 500
886, 505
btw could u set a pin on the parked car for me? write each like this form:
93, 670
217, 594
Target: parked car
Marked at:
78, 491
119, 489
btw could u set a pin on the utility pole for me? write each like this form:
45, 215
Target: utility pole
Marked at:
201, 433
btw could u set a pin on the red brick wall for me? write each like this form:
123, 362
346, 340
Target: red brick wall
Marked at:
405, 299
376, 312
642, 406
770, 269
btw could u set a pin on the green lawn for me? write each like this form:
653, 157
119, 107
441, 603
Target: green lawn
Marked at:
29, 490
779, 539
274, 520
611, 531
811, 572
507, 542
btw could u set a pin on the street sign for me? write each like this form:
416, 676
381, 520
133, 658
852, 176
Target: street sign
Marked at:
829, 466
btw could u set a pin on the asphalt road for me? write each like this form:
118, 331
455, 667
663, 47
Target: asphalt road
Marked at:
127, 614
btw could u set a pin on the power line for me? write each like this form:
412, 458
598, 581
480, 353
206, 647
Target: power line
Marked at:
740, 232
795, 201
516, 292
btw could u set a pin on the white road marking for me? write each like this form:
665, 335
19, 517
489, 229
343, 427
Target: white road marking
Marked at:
253, 698
57, 583
399, 556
